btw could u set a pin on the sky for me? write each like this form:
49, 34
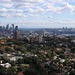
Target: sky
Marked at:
38, 13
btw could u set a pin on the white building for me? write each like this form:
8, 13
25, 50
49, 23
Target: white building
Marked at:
7, 65
43, 33
40, 38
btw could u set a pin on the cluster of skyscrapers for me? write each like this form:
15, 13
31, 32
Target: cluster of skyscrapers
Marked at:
8, 29
11, 31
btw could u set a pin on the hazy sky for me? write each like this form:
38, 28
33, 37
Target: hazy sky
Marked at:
38, 13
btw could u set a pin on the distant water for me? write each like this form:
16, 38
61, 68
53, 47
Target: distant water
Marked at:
68, 34
37, 28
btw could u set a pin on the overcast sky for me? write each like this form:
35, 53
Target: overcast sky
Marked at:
38, 13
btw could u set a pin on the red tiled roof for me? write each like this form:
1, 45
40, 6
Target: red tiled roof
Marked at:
20, 73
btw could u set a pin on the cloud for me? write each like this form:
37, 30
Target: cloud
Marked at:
18, 15
45, 24
37, 10
54, 10
2, 10
6, 5
4, 15
15, 10
24, 5
72, 0
31, 1
39, 24
12, 15
57, 1
31, 9
67, 8
5, 1
34, 16
50, 17
34, 6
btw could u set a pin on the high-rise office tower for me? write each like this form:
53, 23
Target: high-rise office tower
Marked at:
43, 32
7, 27
11, 29
16, 35
12, 26
3, 28
16, 28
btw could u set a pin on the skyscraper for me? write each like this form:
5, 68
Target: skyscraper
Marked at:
12, 26
16, 28
16, 35
40, 38
43, 32
7, 27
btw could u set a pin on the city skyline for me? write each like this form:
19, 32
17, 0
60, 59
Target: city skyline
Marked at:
38, 14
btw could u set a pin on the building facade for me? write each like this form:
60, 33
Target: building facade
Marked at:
16, 34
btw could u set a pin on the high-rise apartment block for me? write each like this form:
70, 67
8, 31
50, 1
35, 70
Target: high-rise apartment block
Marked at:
16, 34
43, 32
40, 38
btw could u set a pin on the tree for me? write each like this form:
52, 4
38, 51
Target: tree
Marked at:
72, 73
7, 49
2, 70
62, 55
73, 50
30, 71
52, 73
49, 55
